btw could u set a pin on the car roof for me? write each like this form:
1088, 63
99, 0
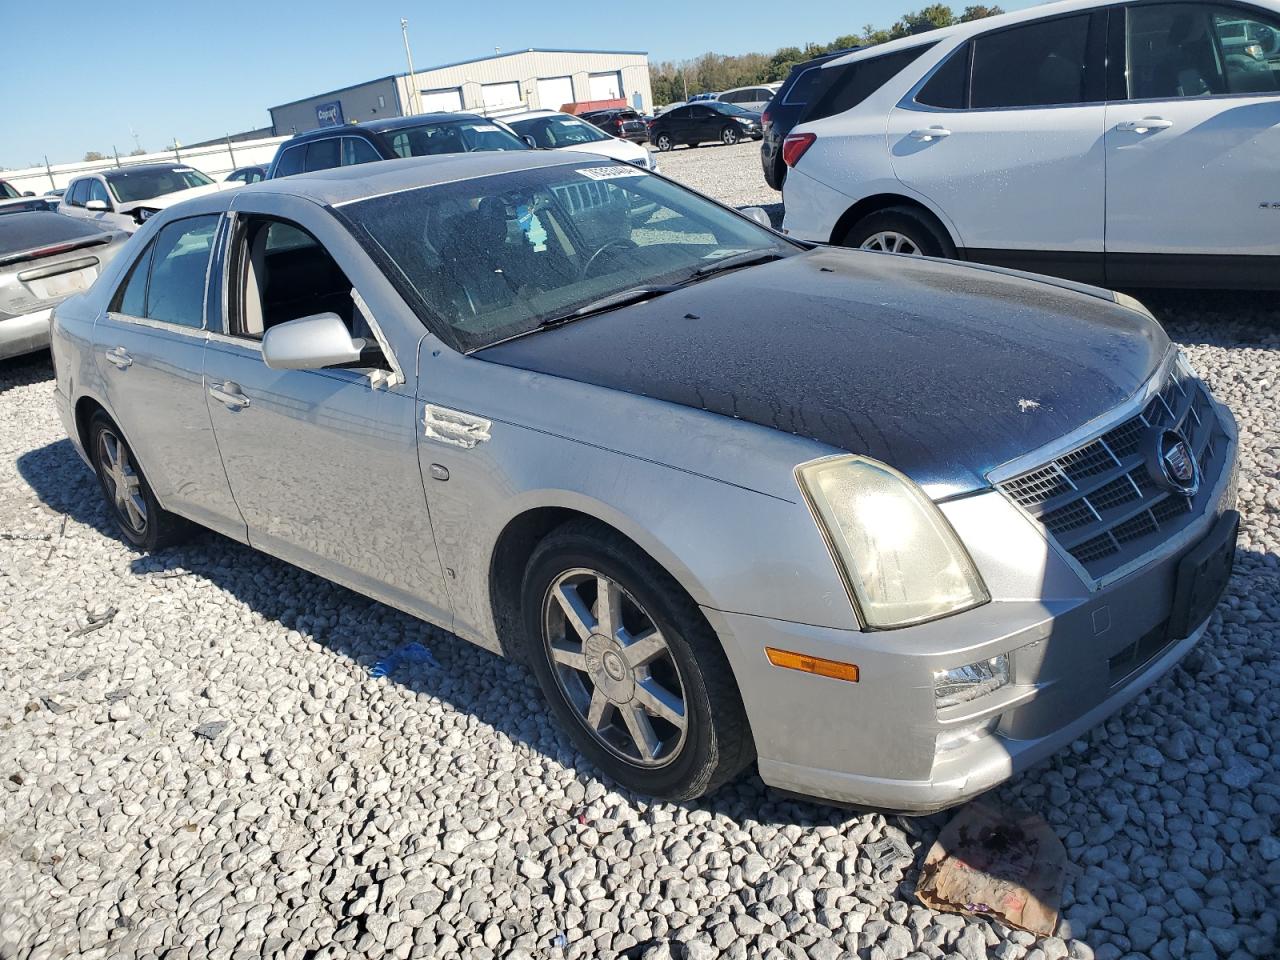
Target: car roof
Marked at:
382, 126
339, 185
532, 114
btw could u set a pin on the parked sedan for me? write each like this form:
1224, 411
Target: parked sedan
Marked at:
894, 528
247, 175
696, 123
423, 135
122, 198
45, 258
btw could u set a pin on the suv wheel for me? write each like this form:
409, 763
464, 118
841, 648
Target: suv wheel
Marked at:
901, 230
142, 520
632, 670
729, 135
664, 142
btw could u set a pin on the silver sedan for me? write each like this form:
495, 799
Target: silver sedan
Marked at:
893, 529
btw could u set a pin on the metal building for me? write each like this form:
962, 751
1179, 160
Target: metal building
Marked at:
503, 83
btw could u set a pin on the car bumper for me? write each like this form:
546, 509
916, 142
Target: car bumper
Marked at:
25, 334
881, 742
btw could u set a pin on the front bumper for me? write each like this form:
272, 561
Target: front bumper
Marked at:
25, 334
1076, 656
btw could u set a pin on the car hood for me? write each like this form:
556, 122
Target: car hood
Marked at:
614, 149
941, 370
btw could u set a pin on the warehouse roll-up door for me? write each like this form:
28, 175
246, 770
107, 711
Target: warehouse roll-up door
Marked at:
606, 86
497, 95
449, 99
555, 92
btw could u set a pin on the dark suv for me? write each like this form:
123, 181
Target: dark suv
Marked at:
425, 135
625, 124
803, 84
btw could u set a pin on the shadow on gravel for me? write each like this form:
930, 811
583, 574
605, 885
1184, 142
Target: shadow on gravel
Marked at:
1218, 317
26, 370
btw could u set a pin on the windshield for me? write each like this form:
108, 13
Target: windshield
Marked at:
732, 109
558, 131
7, 192
133, 185
498, 256
454, 136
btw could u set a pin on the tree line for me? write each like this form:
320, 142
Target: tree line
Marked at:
717, 71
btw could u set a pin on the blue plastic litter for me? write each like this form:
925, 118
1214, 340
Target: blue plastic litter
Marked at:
410, 653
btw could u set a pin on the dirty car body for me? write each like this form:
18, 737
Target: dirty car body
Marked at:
910, 525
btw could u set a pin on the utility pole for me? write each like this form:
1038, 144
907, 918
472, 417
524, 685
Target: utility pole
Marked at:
53, 185
415, 102
231, 151
117, 155
136, 142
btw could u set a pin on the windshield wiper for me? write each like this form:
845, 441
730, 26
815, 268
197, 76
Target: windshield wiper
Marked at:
614, 300
744, 259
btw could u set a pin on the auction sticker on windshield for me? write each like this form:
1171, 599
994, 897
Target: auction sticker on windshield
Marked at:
609, 173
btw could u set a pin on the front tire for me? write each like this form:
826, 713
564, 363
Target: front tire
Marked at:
900, 230
664, 142
144, 523
729, 135
631, 668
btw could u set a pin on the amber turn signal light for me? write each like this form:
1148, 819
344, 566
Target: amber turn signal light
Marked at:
816, 665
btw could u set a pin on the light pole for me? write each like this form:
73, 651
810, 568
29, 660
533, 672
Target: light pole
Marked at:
415, 102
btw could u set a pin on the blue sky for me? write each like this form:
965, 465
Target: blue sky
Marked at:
78, 75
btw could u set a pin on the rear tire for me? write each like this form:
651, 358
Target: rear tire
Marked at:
648, 644
915, 233
144, 523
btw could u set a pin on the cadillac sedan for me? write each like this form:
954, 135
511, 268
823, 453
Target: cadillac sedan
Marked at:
891, 528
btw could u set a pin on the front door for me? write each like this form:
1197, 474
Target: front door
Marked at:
323, 463
1006, 140
1192, 152
150, 355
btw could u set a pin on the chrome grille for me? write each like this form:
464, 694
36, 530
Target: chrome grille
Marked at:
1098, 502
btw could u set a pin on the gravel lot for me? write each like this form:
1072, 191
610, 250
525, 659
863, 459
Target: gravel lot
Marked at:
196, 762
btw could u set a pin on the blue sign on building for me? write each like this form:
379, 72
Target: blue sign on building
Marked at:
329, 114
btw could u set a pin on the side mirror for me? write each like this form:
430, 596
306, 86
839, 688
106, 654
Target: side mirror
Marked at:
310, 343
530, 141
28, 193
758, 215
99, 206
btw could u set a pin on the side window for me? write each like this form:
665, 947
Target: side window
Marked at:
1198, 50
949, 85
175, 293
1039, 64
78, 193
290, 162
357, 150
734, 96
98, 192
131, 297
701, 113
859, 80
322, 154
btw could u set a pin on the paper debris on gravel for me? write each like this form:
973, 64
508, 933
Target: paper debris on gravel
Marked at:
1002, 864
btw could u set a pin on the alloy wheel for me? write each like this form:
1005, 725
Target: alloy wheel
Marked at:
664, 142
890, 241
615, 668
729, 136
123, 485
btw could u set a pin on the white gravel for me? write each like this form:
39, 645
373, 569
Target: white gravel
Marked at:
194, 761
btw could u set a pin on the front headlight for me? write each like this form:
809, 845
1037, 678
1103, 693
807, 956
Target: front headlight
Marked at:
901, 561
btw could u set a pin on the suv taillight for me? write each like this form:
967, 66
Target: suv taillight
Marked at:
795, 145
764, 118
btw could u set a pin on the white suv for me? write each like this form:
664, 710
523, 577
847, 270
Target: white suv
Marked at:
1130, 144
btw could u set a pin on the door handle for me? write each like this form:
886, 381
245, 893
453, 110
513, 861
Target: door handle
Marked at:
229, 394
929, 133
119, 357
1145, 125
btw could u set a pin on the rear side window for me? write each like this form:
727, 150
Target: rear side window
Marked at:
322, 155
859, 80
290, 162
168, 281
949, 85
357, 150
1039, 64
131, 299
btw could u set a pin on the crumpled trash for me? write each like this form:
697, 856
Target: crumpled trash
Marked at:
410, 653
1006, 865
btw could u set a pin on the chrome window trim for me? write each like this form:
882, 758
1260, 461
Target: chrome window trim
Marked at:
197, 333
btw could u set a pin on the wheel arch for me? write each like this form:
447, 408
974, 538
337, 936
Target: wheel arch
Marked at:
883, 201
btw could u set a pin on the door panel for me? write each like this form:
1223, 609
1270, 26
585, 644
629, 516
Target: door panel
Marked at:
1191, 160
325, 469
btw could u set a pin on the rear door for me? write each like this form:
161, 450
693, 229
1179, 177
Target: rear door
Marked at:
1193, 144
149, 349
1005, 137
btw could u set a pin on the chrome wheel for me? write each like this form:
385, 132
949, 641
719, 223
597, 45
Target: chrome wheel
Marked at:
123, 486
890, 241
614, 667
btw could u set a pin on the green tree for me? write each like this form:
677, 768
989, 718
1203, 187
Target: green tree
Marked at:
979, 12
94, 155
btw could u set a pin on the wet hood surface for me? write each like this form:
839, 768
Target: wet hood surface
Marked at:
942, 371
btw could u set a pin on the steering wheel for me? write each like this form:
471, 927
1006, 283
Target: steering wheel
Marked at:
608, 244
